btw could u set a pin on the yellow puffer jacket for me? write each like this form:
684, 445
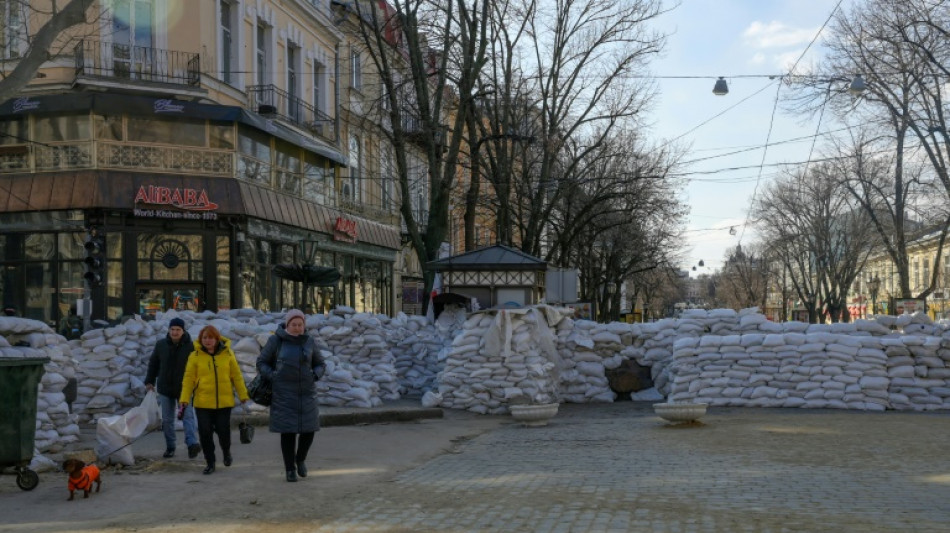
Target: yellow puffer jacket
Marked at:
213, 378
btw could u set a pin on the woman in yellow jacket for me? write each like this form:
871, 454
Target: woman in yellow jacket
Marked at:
212, 376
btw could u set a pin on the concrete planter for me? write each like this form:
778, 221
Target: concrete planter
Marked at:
533, 415
680, 412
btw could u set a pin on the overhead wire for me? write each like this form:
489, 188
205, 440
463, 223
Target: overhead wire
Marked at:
775, 107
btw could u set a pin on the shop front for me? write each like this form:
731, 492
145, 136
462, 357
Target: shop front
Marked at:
176, 242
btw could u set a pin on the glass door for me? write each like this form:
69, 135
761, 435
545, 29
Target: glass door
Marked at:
152, 298
132, 52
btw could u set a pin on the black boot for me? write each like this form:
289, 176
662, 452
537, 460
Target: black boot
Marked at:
291, 476
228, 459
208, 469
301, 469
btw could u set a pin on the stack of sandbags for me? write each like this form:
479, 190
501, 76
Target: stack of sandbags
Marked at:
815, 370
419, 350
586, 350
56, 426
363, 357
918, 371
500, 357
342, 386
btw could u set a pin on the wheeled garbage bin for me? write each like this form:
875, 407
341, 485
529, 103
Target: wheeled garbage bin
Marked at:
19, 380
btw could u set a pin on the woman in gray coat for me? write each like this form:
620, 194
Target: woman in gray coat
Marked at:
292, 362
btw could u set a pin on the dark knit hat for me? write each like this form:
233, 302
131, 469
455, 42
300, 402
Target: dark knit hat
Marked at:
176, 322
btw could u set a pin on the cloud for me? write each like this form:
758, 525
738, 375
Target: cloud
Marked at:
757, 59
776, 35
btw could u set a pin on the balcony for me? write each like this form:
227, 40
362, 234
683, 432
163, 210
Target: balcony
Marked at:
414, 130
268, 100
379, 214
126, 64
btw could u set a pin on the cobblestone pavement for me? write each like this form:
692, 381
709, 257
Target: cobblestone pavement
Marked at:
619, 468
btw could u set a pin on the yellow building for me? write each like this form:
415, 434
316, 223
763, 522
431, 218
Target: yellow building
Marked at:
922, 260
172, 153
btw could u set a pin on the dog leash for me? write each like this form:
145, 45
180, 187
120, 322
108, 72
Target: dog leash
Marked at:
131, 442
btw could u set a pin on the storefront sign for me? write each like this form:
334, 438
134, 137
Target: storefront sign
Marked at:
185, 199
344, 229
167, 106
908, 306
25, 104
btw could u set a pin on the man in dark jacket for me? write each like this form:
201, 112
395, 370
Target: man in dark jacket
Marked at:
168, 365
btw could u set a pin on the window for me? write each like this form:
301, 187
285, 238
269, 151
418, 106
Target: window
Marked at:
227, 51
356, 71
315, 175
132, 53
287, 162
926, 277
57, 128
263, 34
11, 28
167, 130
293, 103
319, 87
351, 189
386, 172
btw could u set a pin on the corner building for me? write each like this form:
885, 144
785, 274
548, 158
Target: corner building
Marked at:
202, 142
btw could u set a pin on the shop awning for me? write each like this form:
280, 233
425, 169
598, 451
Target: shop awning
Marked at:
98, 189
112, 103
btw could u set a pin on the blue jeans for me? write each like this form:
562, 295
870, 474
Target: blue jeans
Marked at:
169, 413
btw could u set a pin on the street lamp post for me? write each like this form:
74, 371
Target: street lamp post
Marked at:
874, 285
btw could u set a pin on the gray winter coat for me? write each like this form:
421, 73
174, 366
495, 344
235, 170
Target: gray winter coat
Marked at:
293, 365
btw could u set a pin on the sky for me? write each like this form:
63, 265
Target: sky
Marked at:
732, 39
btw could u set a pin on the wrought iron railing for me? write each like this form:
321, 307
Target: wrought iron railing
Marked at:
103, 59
269, 100
414, 129
379, 214
159, 158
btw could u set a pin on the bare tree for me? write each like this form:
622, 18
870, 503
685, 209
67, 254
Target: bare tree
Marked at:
428, 56
53, 22
567, 80
815, 227
743, 280
902, 50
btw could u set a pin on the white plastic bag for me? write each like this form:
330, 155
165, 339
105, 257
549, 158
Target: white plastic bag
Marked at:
111, 444
114, 434
153, 410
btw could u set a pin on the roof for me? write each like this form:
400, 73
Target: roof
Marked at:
497, 257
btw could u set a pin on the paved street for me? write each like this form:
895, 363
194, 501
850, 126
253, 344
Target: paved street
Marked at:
596, 468
613, 468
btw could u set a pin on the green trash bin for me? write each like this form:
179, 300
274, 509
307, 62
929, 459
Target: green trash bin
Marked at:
19, 381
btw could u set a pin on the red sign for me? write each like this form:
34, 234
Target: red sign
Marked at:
344, 229
187, 199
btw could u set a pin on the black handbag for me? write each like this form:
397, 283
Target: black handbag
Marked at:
261, 391
246, 431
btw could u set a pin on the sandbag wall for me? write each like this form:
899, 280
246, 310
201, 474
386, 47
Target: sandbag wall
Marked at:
482, 363
56, 426
536, 355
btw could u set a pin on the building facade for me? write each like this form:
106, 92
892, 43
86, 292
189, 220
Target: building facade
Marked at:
137, 178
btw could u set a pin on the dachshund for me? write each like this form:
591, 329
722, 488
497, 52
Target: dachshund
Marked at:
81, 477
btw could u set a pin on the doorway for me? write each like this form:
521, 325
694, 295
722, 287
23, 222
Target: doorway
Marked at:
154, 298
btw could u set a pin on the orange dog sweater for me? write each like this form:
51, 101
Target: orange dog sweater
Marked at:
84, 481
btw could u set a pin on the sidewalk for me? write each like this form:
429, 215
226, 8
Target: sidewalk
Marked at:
402, 410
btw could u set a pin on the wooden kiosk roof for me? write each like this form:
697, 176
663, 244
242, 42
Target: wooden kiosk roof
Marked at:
497, 257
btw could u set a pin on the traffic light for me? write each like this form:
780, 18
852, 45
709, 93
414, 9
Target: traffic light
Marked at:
95, 258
